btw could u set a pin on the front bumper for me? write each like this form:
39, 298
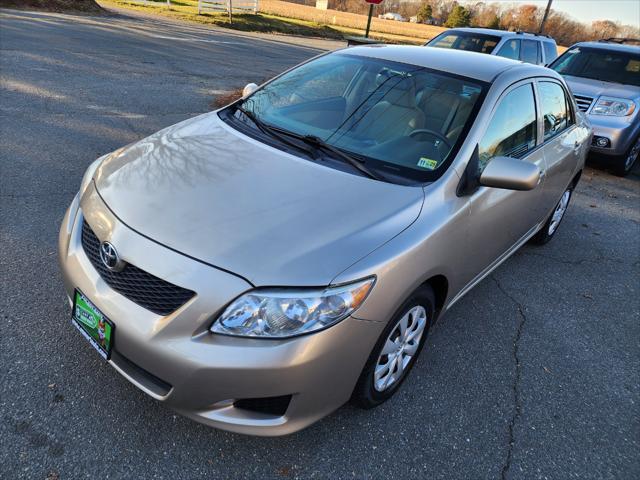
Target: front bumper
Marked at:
621, 132
176, 360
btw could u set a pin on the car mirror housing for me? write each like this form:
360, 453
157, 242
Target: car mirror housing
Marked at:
510, 174
248, 89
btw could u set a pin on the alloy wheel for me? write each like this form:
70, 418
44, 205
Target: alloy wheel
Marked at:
400, 348
559, 211
632, 156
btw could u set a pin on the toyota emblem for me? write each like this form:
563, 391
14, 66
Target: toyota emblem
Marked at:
110, 258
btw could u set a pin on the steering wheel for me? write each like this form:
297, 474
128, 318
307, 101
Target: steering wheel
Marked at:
433, 133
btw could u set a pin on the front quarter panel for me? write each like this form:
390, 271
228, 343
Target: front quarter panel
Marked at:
435, 244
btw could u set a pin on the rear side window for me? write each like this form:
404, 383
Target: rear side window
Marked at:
512, 130
529, 52
550, 52
555, 113
511, 49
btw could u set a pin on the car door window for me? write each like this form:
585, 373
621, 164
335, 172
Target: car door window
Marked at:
529, 51
553, 103
511, 49
512, 130
550, 52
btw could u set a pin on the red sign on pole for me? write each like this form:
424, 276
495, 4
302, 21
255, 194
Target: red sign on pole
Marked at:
374, 2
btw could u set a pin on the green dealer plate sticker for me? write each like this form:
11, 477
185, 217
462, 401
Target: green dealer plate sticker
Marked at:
93, 325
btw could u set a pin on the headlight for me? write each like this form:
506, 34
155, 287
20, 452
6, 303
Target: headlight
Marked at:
88, 175
614, 107
280, 313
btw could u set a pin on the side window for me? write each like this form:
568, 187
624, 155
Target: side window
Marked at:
553, 104
529, 51
511, 49
550, 52
512, 130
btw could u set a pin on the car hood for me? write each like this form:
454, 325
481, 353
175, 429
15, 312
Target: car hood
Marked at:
594, 88
210, 192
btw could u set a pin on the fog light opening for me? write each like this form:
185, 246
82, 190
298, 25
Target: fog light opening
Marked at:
602, 142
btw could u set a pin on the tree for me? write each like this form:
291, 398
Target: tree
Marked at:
604, 29
494, 23
460, 17
425, 13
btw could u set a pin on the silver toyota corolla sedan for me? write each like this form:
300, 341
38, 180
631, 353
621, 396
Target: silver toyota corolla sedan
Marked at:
258, 266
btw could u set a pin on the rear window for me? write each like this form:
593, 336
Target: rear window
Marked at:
471, 42
600, 64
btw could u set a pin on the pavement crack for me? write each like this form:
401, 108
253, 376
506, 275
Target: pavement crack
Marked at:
515, 387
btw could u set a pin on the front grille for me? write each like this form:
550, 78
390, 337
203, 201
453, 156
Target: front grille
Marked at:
583, 102
150, 292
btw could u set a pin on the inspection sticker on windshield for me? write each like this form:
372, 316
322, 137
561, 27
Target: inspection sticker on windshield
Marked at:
427, 163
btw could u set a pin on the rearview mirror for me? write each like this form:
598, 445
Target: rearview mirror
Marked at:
249, 89
511, 174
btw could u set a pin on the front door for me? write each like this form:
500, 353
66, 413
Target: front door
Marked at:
500, 218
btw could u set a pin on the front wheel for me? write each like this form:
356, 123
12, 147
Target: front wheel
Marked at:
549, 229
625, 163
396, 351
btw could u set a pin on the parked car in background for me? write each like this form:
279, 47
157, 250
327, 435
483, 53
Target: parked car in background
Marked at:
258, 266
604, 77
527, 47
392, 16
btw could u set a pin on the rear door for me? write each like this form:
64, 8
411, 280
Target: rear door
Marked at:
561, 139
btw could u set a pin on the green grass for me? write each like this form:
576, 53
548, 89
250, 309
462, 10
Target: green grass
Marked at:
188, 11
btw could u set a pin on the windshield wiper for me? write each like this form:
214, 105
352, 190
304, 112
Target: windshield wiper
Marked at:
311, 140
320, 144
271, 131
353, 161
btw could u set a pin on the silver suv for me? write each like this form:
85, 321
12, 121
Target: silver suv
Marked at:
604, 77
528, 47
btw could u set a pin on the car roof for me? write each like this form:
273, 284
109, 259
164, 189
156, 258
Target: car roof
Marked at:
611, 46
502, 33
480, 66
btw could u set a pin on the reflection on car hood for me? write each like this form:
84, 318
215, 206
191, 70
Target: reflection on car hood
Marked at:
595, 88
210, 192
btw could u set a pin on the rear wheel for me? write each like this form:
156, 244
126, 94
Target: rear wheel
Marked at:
547, 232
625, 163
396, 351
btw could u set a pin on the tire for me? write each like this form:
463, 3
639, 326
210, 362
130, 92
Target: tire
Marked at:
367, 394
625, 163
550, 227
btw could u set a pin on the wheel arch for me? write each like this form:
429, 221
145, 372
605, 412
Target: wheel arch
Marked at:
440, 286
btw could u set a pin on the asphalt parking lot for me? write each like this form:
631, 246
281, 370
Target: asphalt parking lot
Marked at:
533, 375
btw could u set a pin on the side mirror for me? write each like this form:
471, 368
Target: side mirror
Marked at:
510, 174
249, 89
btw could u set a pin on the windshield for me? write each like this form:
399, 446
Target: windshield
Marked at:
600, 64
402, 120
472, 42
